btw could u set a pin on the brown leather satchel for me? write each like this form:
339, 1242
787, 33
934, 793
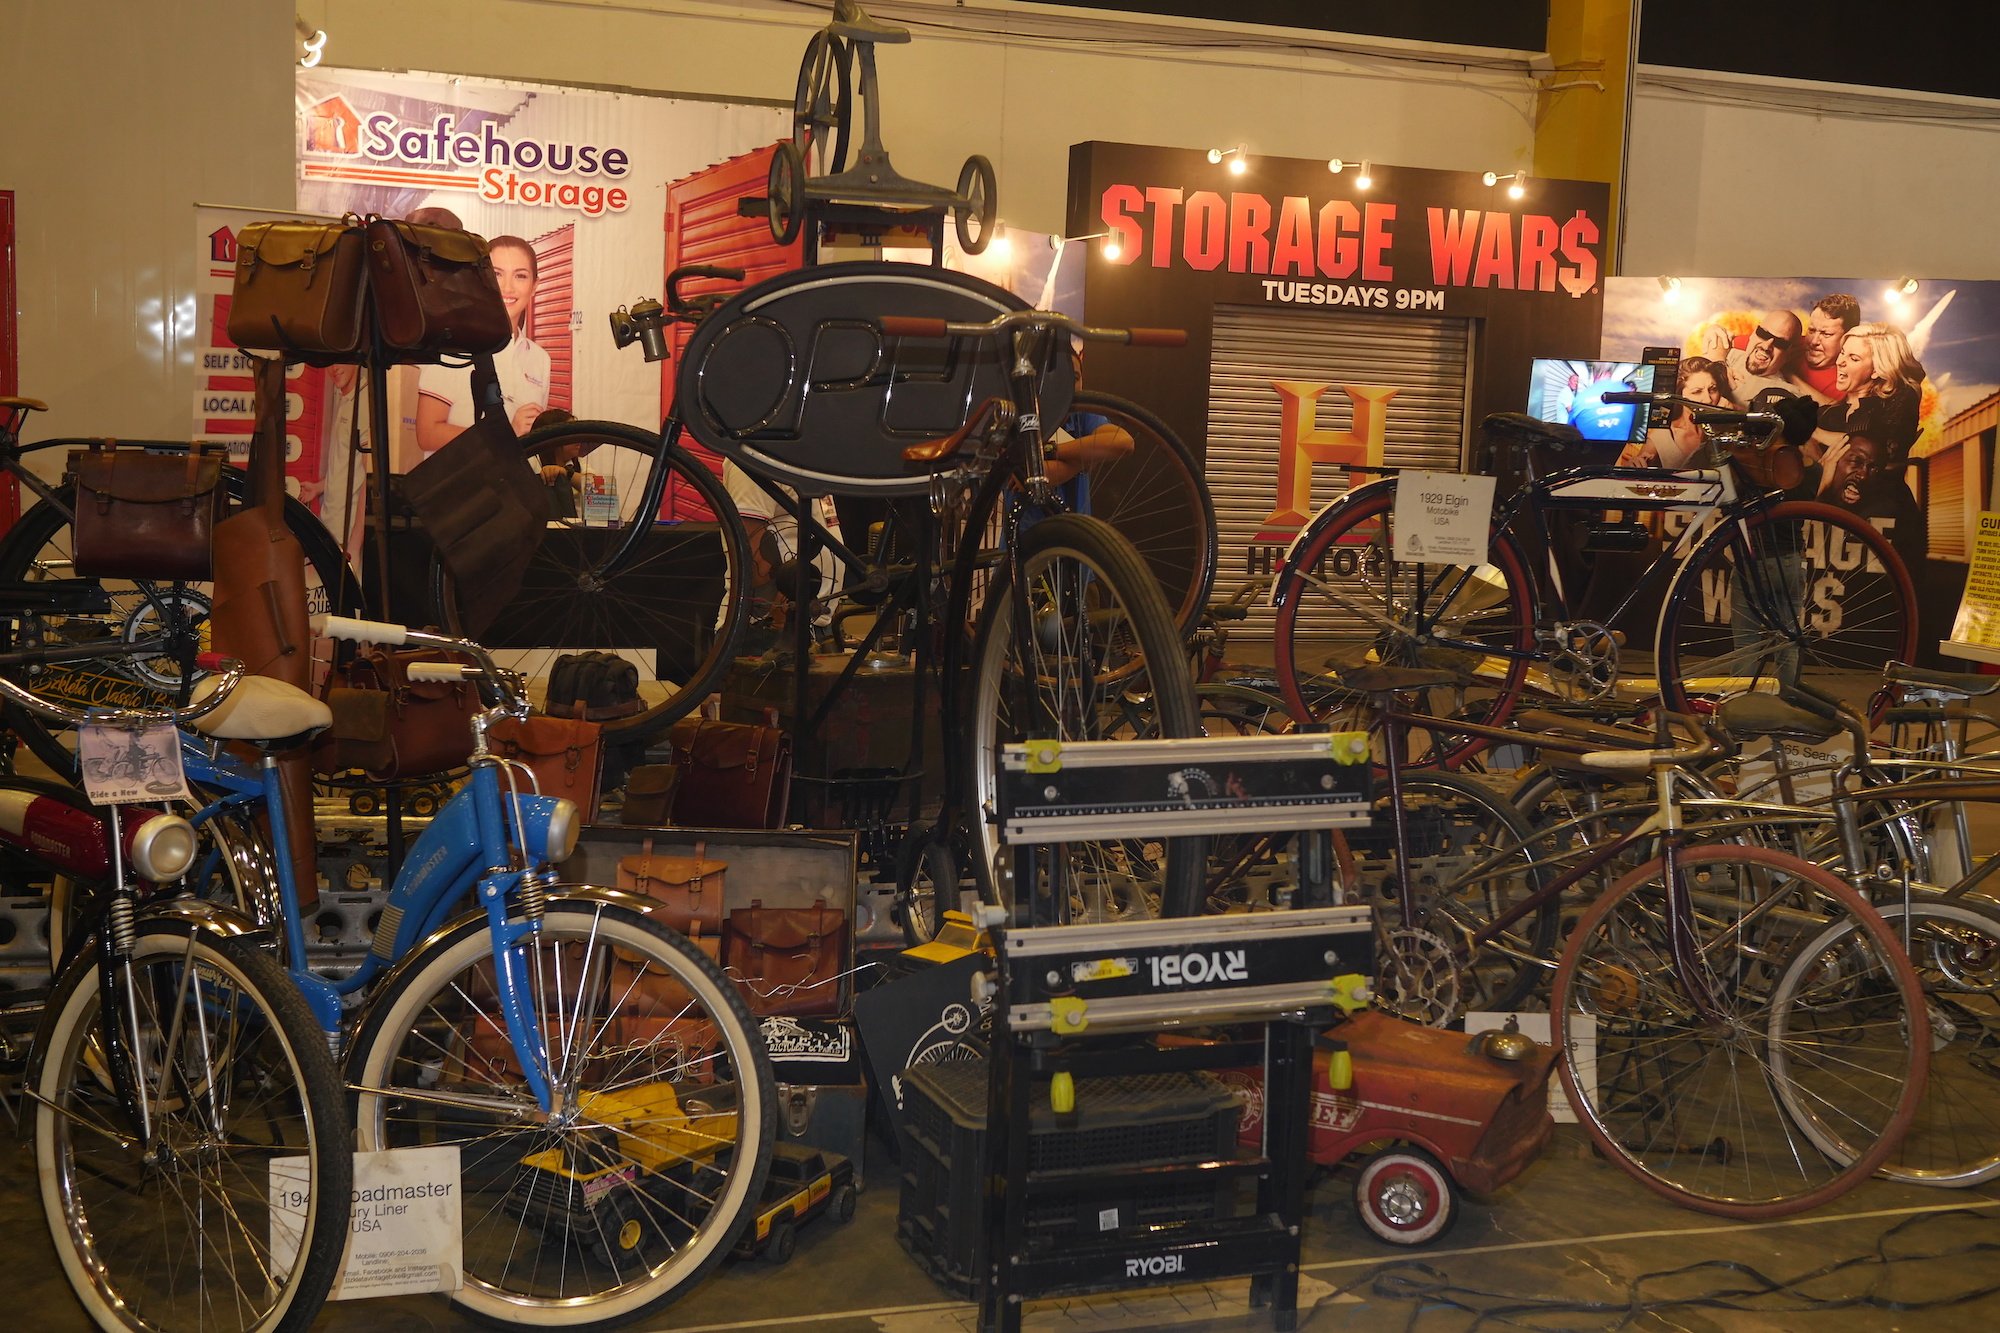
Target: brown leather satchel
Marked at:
391, 726
565, 755
786, 960
299, 289
688, 888
143, 515
435, 291
732, 774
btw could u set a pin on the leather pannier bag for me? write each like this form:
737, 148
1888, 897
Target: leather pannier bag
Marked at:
786, 960
688, 889
732, 774
390, 726
435, 291
143, 515
483, 506
566, 756
298, 289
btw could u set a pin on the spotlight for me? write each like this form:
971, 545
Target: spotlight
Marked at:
1365, 178
1519, 188
1111, 249
1002, 248
1239, 161
1895, 295
1670, 288
1517, 182
1238, 164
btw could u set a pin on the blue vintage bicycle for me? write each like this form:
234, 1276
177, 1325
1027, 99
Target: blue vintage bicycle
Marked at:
607, 1090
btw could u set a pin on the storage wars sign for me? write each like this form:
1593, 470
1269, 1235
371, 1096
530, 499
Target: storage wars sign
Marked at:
1306, 255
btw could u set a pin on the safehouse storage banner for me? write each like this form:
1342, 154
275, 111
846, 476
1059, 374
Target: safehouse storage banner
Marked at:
1906, 377
568, 186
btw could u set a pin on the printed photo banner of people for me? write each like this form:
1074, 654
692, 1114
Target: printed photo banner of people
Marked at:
1907, 384
568, 186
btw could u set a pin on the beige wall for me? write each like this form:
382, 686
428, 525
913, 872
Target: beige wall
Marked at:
115, 119
120, 115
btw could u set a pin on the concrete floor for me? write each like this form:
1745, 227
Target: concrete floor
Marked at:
1571, 1230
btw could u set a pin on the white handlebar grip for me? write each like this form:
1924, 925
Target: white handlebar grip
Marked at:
448, 671
360, 631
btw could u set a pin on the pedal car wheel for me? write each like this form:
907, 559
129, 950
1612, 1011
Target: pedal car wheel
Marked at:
364, 802
785, 193
841, 1206
784, 1240
978, 202
424, 802
1405, 1197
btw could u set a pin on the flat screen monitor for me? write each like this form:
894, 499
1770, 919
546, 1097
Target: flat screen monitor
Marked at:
1572, 392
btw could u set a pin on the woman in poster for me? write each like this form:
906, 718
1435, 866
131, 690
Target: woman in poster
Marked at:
1881, 386
444, 393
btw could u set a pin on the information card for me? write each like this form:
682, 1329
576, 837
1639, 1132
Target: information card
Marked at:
404, 1234
1442, 518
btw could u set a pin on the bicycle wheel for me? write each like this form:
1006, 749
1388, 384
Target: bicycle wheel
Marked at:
1157, 499
1701, 1109
1347, 601
40, 546
1799, 591
673, 607
1470, 860
1955, 948
640, 1182
1102, 641
927, 884
192, 1228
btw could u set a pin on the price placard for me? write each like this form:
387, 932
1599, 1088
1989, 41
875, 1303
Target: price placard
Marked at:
1442, 518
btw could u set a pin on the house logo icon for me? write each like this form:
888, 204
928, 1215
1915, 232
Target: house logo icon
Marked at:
332, 126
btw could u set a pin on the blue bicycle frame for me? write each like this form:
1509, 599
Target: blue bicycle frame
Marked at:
466, 851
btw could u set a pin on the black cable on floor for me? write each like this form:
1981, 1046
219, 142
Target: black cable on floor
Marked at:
1432, 1289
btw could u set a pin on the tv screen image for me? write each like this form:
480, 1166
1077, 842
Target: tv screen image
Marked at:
1572, 393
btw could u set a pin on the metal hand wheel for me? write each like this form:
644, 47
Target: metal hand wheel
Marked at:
978, 200
822, 106
785, 193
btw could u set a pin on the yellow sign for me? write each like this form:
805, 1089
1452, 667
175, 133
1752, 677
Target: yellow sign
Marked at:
1975, 631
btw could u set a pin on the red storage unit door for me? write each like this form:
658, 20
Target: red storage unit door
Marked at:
703, 227
551, 325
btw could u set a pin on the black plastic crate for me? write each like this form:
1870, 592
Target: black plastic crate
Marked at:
1137, 1120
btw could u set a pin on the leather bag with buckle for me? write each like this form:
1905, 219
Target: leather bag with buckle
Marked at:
435, 291
688, 888
299, 288
786, 960
143, 515
390, 726
566, 756
732, 774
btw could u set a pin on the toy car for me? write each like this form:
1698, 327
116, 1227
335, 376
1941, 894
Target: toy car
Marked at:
803, 1183
1427, 1111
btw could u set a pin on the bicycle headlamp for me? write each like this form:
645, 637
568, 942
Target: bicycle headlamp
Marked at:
645, 323
161, 848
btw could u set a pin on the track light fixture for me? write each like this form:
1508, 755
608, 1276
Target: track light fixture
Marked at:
1001, 246
1517, 182
1111, 250
1900, 291
1239, 161
1670, 288
1365, 177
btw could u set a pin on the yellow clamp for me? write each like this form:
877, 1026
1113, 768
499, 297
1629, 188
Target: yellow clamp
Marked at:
1351, 991
1349, 747
1067, 1014
1044, 756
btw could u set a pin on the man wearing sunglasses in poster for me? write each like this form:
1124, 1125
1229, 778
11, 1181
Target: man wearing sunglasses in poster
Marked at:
1762, 362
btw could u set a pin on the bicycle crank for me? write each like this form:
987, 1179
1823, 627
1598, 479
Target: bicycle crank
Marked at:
1582, 659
